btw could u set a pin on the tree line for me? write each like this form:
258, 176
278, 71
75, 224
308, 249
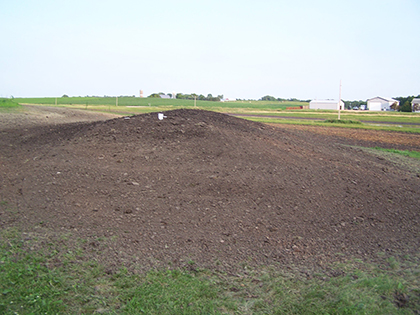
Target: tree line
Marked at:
405, 104
278, 99
192, 96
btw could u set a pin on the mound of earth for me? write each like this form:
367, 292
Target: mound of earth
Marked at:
205, 187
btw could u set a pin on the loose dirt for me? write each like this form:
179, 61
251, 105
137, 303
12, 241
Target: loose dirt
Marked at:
204, 187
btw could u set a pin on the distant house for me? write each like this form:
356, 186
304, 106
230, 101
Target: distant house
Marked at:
380, 103
415, 105
325, 104
164, 96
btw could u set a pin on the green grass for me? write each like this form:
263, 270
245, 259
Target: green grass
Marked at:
7, 104
342, 121
413, 154
53, 281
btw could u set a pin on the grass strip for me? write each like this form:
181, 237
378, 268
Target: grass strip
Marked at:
408, 129
33, 283
413, 154
343, 121
7, 104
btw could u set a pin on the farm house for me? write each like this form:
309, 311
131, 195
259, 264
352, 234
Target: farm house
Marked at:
325, 104
380, 103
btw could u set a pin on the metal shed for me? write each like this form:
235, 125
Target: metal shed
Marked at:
380, 103
325, 104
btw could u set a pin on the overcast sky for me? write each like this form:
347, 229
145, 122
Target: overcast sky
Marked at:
238, 48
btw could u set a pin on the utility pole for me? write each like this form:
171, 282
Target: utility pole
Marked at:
339, 102
116, 101
195, 100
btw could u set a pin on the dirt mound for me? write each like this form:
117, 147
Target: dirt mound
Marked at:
206, 187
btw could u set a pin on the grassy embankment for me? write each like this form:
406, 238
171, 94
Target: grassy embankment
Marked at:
56, 280
8, 105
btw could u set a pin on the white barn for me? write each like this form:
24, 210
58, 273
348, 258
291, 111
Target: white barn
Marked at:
325, 104
380, 103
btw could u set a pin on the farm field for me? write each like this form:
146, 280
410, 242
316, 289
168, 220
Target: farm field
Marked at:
206, 213
263, 111
160, 103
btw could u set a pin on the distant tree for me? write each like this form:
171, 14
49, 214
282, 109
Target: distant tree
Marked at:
184, 96
200, 97
406, 107
154, 95
65, 95
268, 98
395, 106
416, 107
403, 100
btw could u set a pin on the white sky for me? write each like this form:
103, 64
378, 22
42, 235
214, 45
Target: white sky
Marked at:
239, 48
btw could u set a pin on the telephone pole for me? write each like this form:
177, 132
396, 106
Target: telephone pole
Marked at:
339, 102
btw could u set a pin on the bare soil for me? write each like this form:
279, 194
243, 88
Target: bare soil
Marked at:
204, 187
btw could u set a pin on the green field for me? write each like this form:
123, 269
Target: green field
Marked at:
157, 103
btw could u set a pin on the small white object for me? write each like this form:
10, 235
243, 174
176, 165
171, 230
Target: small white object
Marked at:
160, 116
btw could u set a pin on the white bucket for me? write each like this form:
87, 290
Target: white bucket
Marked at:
160, 116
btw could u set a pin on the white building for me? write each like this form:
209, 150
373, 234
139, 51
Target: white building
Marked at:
380, 103
325, 104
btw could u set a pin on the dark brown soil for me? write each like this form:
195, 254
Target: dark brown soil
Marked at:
205, 187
